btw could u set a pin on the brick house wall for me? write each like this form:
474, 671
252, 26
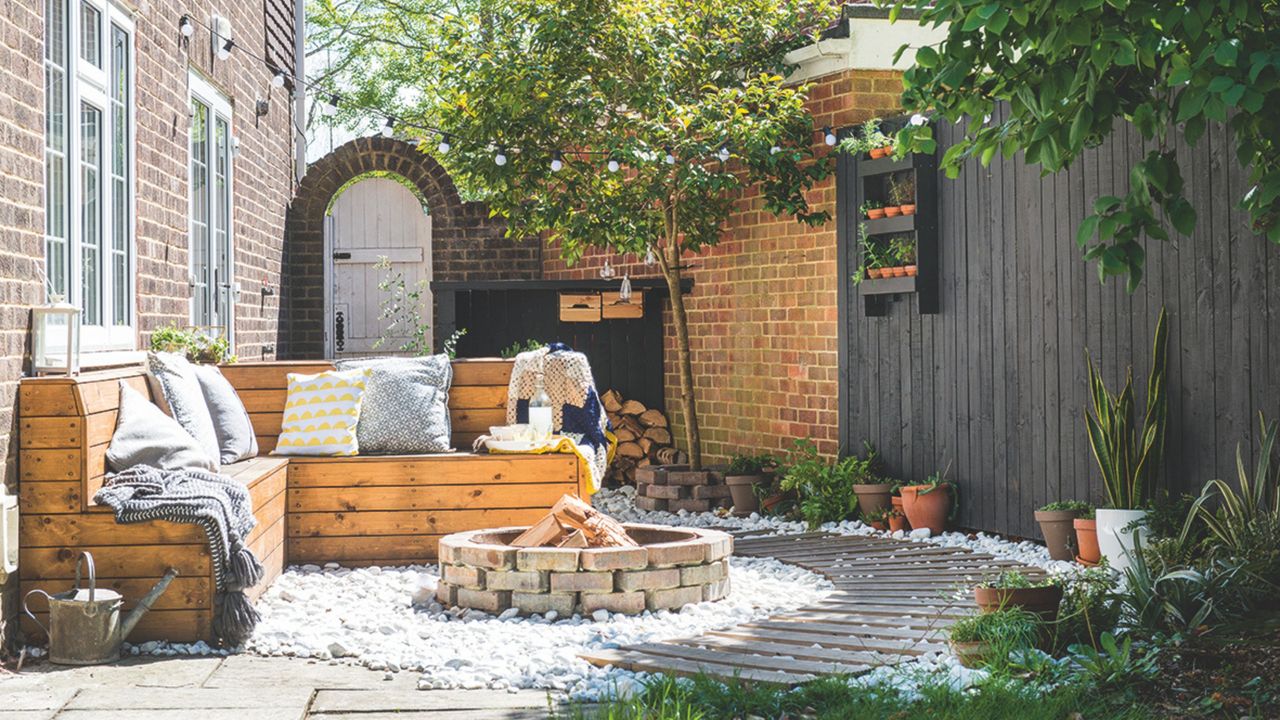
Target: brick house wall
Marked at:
263, 185
763, 313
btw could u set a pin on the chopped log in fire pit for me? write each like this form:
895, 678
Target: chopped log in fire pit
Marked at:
577, 560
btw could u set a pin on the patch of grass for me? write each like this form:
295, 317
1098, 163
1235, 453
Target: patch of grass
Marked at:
833, 698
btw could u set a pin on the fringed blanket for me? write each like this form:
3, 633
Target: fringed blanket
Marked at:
219, 505
575, 405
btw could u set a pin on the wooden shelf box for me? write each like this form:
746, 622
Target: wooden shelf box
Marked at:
579, 307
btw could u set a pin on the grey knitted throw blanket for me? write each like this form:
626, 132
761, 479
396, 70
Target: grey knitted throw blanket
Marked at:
219, 505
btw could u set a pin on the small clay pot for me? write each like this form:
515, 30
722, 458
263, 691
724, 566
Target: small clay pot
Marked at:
892, 211
888, 150
872, 497
878, 525
899, 271
898, 522
877, 153
927, 510
911, 270
972, 655
875, 213
1087, 541
743, 490
896, 502
908, 209
1043, 601
1055, 526
769, 503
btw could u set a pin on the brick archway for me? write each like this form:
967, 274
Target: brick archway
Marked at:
466, 243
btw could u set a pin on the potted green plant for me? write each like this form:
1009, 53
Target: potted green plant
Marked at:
824, 490
928, 504
872, 210
1086, 527
901, 255
902, 191
870, 141
895, 501
875, 257
1056, 525
1014, 589
878, 519
745, 476
897, 521
871, 490
979, 640
1128, 453
891, 210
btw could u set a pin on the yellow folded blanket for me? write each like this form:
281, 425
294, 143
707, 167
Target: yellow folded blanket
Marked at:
563, 444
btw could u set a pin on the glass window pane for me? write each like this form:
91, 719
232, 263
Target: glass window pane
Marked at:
222, 219
91, 213
121, 178
90, 34
200, 219
55, 144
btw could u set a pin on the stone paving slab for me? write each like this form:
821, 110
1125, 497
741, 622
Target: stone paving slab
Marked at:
136, 698
188, 714
250, 671
131, 672
32, 699
366, 701
27, 714
491, 714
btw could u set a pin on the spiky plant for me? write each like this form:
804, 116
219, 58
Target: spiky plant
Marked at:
1129, 455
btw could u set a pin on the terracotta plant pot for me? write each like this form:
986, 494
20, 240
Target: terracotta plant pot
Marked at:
899, 271
878, 525
877, 153
927, 510
771, 502
888, 150
892, 211
898, 522
1055, 526
1043, 601
743, 490
1087, 541
911, 271
972, 655
875, 213
908, 209
872, 498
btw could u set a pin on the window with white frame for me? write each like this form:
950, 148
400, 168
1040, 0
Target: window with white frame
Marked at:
213, 287
89, 162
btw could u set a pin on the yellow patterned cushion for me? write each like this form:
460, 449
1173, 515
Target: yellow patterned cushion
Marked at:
321, 412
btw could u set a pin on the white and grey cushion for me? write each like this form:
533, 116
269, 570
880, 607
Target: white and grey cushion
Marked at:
177, 391
406, 405
144, 435
230, 420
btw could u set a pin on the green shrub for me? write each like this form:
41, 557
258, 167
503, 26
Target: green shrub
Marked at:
1004, 631
1089, 607
1079, 507
824, 490
196, 346
743, 464
516, 348
1016, 580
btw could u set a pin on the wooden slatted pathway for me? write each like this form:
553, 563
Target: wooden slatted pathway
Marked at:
894, 600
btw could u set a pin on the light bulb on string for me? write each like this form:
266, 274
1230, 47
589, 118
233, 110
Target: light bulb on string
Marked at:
444, 147
723, 154
388, 127
224, 50
614, 166
557, 161
828, 136
649, 257
607, 270
671, 156
500, 158
775, 150
624, 291
917, 120
278, 79
186, 27
330, 107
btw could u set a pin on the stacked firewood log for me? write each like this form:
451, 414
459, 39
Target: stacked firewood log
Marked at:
644, 438
575, 524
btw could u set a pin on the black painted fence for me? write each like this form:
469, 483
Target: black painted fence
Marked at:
994, 384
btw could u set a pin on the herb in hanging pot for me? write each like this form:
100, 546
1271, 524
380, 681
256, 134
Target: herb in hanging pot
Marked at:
872, 209
902, 191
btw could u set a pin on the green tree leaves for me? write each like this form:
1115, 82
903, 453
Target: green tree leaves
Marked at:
1066, 70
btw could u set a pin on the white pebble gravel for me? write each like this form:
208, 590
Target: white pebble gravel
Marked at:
386, 619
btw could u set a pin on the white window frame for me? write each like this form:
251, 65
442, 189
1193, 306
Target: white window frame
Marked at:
88, 84
200, 89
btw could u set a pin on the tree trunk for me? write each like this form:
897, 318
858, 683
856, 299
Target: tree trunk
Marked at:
671, 271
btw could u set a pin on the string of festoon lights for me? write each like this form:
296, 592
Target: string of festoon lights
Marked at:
330, 103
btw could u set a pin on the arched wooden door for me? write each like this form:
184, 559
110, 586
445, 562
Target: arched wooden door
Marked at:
374, 218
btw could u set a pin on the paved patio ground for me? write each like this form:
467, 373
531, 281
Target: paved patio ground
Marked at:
245, 687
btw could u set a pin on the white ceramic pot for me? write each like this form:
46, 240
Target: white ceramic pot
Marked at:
1115, 542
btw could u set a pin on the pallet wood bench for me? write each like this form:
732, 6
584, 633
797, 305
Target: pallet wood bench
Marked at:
364, 510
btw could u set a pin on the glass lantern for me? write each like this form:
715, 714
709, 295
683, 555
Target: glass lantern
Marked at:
56, 338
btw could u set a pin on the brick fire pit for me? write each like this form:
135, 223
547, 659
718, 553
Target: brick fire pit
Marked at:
672, 568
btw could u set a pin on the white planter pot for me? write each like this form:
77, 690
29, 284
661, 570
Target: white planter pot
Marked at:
1115, 542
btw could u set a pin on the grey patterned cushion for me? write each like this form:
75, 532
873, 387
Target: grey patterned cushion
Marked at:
230, 420
144, 435
406, 405
177, 392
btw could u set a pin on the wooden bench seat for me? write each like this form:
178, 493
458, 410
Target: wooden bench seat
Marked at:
364, 510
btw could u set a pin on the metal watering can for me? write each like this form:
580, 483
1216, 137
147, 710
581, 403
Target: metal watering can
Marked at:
84, 624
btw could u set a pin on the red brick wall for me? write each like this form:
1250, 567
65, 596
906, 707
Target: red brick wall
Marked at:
263, 186
763, 312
